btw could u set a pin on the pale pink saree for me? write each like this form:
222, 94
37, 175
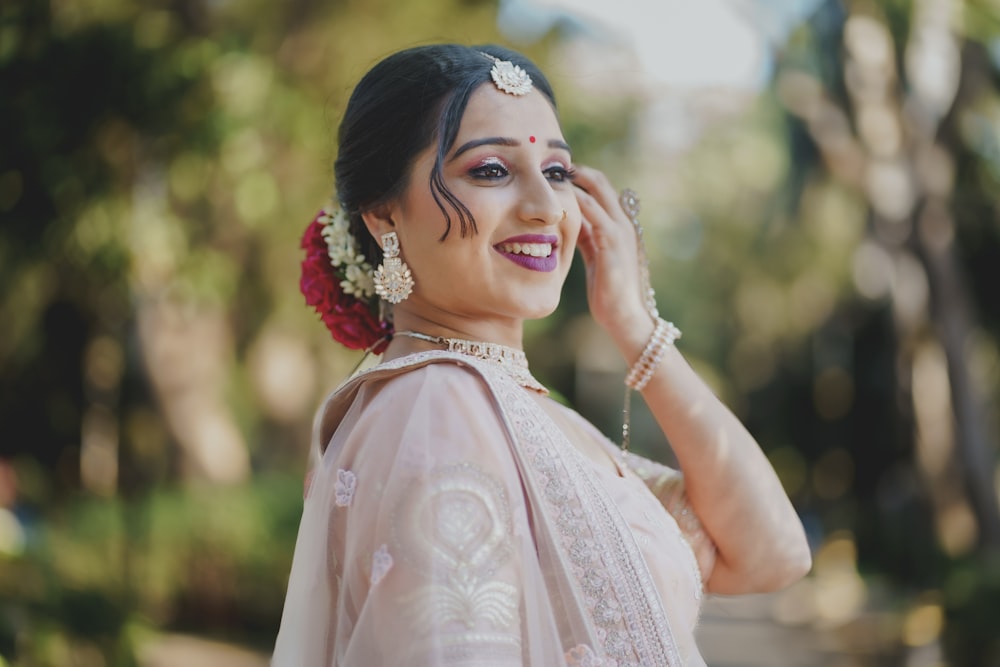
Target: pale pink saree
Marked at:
450, 521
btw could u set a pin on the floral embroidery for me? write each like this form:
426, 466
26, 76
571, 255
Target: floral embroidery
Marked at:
594, 583
344, 488
381, 564
607, 612
454, 527
582, 656
463, 599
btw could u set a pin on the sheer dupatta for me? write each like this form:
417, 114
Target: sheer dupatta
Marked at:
449, 521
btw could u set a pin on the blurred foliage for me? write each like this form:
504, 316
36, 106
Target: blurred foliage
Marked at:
99, 575
160, 160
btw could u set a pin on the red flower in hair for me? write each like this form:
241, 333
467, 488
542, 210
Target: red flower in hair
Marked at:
351, 319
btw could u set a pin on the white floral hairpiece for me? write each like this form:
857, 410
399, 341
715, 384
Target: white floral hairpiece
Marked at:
508, 77
342, 248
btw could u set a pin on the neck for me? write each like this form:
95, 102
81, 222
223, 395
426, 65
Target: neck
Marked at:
510, 361
485, 331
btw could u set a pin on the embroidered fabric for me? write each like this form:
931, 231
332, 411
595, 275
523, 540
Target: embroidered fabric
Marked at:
508, 545
381, 564
454, 528
629, 616
344, 489
667, 485
582, 656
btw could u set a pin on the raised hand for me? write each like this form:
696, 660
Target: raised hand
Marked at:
609, 247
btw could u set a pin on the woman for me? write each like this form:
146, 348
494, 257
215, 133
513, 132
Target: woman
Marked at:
458, 515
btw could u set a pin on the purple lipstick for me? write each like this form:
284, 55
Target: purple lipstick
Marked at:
536, 252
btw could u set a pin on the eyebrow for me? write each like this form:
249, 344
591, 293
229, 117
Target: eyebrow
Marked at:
503, 141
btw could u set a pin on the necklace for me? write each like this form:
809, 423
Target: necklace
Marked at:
510, 360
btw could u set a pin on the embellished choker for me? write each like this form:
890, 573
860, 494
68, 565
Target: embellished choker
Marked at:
511, 361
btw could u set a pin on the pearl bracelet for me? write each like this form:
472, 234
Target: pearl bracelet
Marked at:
642, 371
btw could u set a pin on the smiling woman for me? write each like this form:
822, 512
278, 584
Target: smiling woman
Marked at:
483, 284
457, 514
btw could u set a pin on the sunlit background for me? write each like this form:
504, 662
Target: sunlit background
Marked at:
819, 181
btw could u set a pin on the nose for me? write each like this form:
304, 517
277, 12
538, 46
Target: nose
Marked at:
539, 202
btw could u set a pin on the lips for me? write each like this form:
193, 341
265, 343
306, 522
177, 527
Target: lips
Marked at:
535, 252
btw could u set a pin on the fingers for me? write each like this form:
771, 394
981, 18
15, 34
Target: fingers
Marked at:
607, 243
596, 184
608, 225
596, 220
585, 243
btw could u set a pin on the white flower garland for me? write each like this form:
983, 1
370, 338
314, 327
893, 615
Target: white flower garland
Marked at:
355, 271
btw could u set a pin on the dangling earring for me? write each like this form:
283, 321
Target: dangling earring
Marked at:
393, 281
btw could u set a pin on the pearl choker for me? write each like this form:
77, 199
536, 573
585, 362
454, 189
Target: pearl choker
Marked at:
511, 361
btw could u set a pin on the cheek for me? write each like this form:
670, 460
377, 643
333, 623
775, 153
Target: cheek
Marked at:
444, 263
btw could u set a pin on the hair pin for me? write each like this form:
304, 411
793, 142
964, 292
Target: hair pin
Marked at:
508, 77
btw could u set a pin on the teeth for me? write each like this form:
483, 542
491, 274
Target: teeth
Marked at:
530, 249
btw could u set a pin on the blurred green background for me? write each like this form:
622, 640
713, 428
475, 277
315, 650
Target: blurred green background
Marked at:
828, 240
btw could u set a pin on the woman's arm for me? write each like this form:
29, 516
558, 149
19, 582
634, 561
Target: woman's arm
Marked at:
729, 482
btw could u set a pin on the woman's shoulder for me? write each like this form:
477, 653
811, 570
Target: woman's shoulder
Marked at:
393, 389
430, 376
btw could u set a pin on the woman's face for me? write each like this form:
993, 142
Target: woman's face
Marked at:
510, 166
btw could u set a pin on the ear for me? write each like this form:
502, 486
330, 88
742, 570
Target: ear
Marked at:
379, 221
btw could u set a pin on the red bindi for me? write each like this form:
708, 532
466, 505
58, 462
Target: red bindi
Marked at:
531, 138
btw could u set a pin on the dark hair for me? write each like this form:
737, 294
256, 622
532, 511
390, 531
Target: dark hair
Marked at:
399, 107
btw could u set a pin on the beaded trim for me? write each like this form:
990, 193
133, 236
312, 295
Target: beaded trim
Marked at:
511, 361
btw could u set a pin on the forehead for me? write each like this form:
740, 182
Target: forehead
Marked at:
494, 113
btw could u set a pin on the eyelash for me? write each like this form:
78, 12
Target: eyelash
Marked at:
488, 171
565, 173
495, 171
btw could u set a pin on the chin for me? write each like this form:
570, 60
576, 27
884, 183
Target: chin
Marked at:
538, 311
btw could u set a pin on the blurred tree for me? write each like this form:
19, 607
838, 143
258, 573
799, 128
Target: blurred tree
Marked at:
82, 97
890, 131
896, 103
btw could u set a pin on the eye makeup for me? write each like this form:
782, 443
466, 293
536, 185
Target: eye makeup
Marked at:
558, 171
490, 168
494, 168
